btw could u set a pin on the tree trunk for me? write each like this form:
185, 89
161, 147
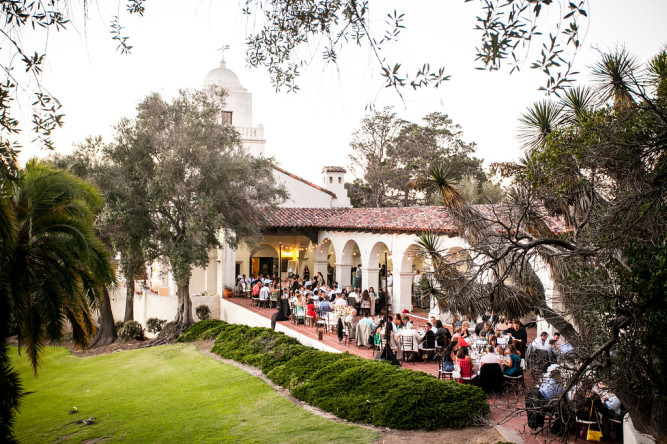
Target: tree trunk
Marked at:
129, 301
106, 334
184, 310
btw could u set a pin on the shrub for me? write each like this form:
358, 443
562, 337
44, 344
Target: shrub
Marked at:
131, 330
155, 325
198, 330
351, 387
119, 326
203, 312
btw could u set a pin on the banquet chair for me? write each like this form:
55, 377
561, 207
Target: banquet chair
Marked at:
408, 347
428, 347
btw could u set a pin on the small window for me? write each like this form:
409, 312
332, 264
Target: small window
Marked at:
340, 180
227, 117
330, 179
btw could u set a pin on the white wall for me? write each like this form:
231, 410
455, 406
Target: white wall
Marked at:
235, 314
301, 194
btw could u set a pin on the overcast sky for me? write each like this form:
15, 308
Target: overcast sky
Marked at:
176, 44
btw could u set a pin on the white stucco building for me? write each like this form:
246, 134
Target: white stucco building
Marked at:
315, 229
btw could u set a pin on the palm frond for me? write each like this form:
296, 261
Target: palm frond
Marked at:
614, 76
538, 122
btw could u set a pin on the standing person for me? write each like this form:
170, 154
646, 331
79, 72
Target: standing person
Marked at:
358, 274
306, 272
519, 335
390, 286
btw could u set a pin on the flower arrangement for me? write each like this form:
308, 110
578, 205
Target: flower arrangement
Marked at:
343, 311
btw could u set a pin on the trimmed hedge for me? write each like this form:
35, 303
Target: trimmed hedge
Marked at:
351, 387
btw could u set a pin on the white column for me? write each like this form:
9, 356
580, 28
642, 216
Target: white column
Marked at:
211, 277
319, 266
402, 299
343, 275
369, 278
228, 265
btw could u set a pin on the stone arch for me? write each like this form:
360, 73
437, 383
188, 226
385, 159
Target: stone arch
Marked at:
258, 265
349, 259
458, 256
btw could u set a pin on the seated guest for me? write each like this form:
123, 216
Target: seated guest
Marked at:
541, 343
493, 341
408, 333
325, 307
340, 301
265, 292
256, 288
465, 362
442, 335
566, 347
351, 323
485, 332
449, 357
398, 322
366, 303
491, 357
406, 320
367, 320
310, 309
512, 364
465, 329
550, 390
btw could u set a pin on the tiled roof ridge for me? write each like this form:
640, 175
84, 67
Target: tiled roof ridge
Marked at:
396, 219
307, 182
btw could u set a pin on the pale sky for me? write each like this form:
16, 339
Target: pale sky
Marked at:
176, 44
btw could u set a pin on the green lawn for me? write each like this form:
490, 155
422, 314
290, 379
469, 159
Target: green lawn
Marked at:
162, 394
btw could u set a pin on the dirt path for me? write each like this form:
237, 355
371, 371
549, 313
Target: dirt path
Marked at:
472, 435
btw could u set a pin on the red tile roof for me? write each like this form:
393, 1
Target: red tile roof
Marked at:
301, 179
396, 219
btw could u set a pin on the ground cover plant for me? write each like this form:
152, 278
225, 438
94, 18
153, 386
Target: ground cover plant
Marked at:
351, 387
170, 393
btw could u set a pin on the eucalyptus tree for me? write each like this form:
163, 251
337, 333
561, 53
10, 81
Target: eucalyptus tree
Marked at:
389, 153
195, 179
53, 269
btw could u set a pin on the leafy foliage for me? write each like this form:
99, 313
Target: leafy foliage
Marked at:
131, 330
508, 29
203, 312
24, 46
353, 388
155, 325
390, 155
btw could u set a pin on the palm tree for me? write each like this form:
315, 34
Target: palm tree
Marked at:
538, 122
614, 75
53, 269
511, 286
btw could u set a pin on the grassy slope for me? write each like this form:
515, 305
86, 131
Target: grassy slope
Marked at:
162, 394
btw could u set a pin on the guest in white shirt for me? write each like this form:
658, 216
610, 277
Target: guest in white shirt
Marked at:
542, 342
340, 301
491, 357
